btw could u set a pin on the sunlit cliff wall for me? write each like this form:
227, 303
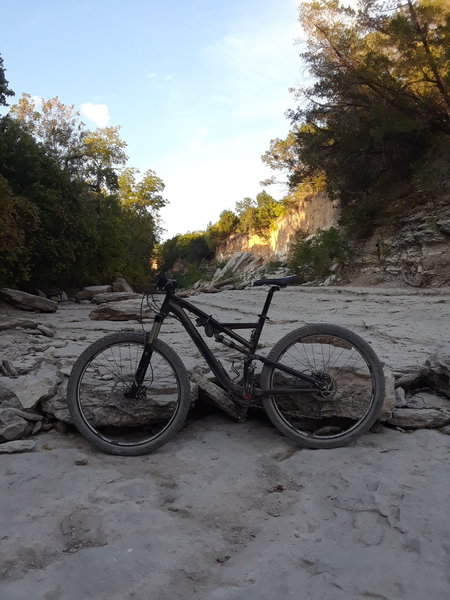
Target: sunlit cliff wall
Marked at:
312, 213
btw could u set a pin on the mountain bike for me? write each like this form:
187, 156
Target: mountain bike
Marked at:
321, 385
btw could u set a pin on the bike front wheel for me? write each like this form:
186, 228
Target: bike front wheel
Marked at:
102, 411
352, 386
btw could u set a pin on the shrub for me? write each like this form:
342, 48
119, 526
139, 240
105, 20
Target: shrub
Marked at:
313, 257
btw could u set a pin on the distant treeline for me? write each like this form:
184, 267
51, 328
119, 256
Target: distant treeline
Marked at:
71, 212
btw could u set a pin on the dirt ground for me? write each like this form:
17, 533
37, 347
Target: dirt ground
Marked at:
229, 511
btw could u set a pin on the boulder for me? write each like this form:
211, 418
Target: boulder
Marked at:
422, 410
120, 285
89, 292
26, 301
108, 407
115, 297
12, 426
14, 323
17, 446
208, 390
38, 385
437, 370
57, 407
127, 310
389, 396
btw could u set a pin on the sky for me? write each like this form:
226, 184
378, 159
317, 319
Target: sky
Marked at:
198, 87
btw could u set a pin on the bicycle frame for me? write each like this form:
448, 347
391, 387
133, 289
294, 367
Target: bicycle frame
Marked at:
244, 394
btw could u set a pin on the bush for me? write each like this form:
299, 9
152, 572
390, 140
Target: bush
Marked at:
190, 247
313, 257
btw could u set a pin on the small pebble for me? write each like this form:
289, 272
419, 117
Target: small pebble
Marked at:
81, 461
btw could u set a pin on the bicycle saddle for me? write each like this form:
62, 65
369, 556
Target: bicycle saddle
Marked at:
280, 281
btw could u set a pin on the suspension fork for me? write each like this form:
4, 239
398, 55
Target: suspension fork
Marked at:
146, 357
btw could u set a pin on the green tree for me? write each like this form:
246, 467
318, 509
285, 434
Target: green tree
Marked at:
266, 212
143, 196
4, 90
102, 154
55, 125
225, 226
379, 105
91, 156
245, 210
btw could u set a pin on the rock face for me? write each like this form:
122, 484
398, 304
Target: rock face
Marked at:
311, 213
239, 272
26, 301
414, 250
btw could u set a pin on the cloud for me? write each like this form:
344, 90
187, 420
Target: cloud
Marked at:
98, 113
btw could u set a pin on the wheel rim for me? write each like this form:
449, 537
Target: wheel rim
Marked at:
109, 414
348, 388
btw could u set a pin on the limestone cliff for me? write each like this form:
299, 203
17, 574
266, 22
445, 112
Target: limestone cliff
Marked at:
311, 213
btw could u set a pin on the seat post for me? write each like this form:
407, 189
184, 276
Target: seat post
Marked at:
263, 316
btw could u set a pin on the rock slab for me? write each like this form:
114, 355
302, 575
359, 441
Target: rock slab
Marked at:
26, 301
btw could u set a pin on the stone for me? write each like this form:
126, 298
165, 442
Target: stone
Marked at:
7, 369
108, 408
14, 323
120, 285
26, 301
429, 400
36, 427
422, 410
89, 292
409, 376
17, 446
34, 387
212, 392
225, 282
411, 418
400, 397
47, 331
28, 415
12, 426
437, 368
389, 396
127, 310
114, 297
57, 407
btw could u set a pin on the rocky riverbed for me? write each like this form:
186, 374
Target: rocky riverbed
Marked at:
228, 511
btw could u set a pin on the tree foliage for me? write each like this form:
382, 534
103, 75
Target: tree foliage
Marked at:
70, 213
379, 105
4, 90
314, 256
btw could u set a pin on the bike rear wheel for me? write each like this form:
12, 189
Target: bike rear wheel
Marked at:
353, 390
97, 395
